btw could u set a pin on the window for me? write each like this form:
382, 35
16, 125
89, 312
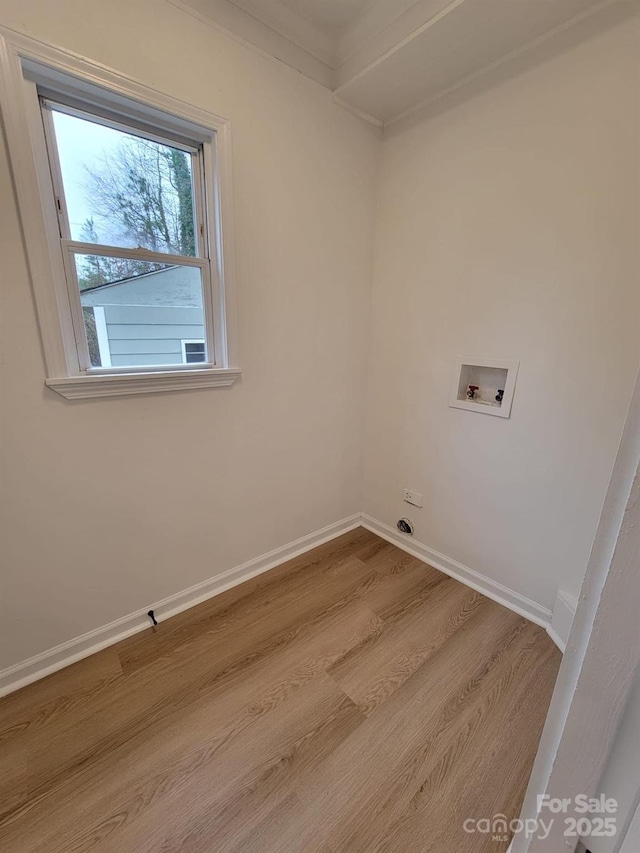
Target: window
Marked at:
133, 292
131, 225
193, 352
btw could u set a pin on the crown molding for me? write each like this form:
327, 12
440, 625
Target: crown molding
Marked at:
356, 112
229, 19
397, 56
459, 44
296, 28
278, 31
592, 20
380, 26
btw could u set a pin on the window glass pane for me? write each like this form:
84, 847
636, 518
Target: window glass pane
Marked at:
194, 352
122, 190
138, 314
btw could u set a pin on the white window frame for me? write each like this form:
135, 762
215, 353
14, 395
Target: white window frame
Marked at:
102, 335
29, 68
183, 344
72, 248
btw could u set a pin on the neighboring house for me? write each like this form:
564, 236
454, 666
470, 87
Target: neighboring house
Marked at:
151, 319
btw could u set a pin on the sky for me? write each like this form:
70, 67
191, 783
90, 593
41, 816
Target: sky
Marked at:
82, 146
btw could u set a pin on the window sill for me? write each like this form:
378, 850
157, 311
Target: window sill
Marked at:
121, 384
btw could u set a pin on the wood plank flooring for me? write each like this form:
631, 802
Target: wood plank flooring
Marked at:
353, 699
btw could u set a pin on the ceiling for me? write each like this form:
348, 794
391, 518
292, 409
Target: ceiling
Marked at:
385, 58
330, 15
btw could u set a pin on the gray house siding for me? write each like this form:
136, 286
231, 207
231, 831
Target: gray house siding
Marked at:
143, 321
156, 341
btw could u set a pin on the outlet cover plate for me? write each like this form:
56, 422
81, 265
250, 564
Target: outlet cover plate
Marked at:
412, 498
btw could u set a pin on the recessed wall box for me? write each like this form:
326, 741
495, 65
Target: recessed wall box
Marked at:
484, 385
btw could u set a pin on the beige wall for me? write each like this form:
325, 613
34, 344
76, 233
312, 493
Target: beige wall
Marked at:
115, 503
508, 226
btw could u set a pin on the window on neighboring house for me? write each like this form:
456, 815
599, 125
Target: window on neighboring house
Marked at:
134, 206
193, 352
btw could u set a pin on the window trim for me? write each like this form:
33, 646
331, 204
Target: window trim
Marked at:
22, 61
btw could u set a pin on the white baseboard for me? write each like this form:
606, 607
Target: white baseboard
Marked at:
492, 589
562, 619
21, 674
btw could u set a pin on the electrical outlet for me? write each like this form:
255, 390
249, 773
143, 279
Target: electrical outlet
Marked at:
412, 498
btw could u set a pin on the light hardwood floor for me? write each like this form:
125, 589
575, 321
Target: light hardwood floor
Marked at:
353, 699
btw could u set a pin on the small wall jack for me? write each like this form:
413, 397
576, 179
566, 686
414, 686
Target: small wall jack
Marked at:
405, 526
152, 616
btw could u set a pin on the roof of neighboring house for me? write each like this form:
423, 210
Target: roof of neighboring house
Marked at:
128, 278
177, 287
